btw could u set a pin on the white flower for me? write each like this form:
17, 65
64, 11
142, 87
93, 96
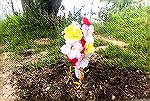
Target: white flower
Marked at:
81, 64
89, 38
77, 46
84, 63
75, 23
85, 29
65, 49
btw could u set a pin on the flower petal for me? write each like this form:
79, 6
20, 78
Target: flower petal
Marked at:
77, 73
72, 33
77, 46
86, 21
74, 61
72, 54
89, 38
83, 42
65, 49
85, 29
84, 63
89, 48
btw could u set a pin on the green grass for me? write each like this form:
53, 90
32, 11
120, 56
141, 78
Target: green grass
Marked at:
123, 58
98, 42
131, 25
19, 31
17, 34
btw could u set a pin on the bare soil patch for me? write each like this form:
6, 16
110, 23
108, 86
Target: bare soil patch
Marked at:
101, 83
6, 65
101, 47
5, 76
42, 41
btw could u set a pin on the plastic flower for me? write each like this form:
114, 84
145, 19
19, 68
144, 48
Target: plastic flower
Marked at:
82, 63
65, 49
89, 48
83, 42
73, 61
86, 21
72, 50
79, 44
87, 32
72, 33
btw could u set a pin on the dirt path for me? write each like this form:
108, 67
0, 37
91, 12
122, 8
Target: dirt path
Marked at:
1, 77
5, 72
42, 41
121, 44
6, 90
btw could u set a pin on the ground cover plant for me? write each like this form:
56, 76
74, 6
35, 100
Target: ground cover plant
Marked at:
40, 70
132, 26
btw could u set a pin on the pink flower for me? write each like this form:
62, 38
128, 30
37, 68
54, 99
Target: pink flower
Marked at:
87, 33
65, 49
74, 54
72, 50
82, 63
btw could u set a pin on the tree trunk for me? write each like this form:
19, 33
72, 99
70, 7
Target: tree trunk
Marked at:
53, 6
12, 6
27, 5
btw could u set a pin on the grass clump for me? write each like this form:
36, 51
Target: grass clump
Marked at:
132, 26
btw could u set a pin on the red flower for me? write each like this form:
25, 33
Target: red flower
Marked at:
83, 42
69, 60
73, 61
86, 21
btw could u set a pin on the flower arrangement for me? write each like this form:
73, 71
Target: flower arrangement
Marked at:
78, 46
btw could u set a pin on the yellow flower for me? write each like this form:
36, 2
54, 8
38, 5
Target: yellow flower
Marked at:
72, 33
89, 48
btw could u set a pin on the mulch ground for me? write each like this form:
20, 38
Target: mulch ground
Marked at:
101, 83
